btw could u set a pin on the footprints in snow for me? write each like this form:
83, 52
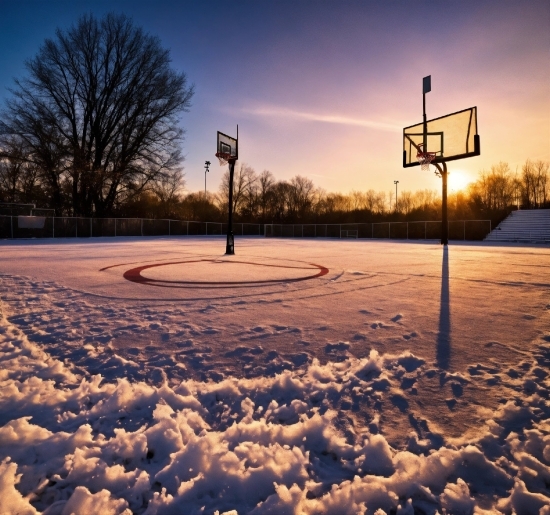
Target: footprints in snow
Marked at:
395, 322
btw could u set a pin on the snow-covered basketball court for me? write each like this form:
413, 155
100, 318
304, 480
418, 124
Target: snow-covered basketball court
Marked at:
298, 376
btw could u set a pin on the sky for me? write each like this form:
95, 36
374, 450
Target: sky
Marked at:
323, 89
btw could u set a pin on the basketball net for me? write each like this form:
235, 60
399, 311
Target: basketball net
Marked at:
425, 158
223, 158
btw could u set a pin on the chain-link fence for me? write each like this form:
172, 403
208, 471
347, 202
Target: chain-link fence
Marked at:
74, 227
470, 230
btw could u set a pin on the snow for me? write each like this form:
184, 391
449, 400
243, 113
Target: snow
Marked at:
403, 379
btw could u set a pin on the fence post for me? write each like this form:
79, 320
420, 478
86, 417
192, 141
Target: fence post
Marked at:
91, 227
407, 230
389, 230
115, 228
425, 233
11, 225
169, 234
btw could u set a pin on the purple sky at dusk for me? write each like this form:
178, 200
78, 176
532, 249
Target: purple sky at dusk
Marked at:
323, 89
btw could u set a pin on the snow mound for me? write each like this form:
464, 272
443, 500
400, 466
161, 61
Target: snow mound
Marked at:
288, 443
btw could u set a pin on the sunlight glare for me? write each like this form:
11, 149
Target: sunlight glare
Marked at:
458, 180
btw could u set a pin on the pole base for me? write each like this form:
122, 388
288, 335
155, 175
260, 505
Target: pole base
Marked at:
230, 247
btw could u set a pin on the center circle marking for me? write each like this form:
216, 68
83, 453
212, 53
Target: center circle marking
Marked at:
134, 275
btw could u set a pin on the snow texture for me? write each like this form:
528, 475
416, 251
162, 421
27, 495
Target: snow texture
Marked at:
408, 379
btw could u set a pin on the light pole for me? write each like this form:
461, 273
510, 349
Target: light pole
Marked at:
206, 170
396, 183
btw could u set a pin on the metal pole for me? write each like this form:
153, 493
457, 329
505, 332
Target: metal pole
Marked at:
396, 183
230, 245
442, 168
206, 170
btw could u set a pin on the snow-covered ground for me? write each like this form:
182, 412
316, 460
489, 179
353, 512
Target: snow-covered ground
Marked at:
297, 377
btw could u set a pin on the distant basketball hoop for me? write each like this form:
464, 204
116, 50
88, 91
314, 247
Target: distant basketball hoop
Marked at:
227, 151
227, 148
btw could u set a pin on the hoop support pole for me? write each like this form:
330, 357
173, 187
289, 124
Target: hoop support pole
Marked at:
442, 168
230, 245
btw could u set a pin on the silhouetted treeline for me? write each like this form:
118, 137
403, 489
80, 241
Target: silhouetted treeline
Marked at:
261, 198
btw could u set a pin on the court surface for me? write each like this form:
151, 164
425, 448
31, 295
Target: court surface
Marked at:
467, 304
457, 332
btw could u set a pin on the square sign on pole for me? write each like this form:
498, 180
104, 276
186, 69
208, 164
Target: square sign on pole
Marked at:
427, 84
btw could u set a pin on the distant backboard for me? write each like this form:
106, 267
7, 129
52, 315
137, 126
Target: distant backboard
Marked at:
451, 137
227, 146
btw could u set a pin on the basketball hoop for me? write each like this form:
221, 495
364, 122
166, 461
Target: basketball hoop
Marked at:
224, 157
425, 158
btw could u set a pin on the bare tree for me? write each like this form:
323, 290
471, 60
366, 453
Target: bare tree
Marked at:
266, 180
18, 179
543, 175
358, 200
244, 179
98, 112
406, 202
493, 189
535, 183
279, 198
375, 201
301, 198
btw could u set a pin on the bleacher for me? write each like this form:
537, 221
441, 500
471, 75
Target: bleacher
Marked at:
529, 226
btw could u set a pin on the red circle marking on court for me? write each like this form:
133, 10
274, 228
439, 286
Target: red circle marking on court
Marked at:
135, 276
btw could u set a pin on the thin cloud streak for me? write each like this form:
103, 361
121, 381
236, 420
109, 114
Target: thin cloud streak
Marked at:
324, 118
